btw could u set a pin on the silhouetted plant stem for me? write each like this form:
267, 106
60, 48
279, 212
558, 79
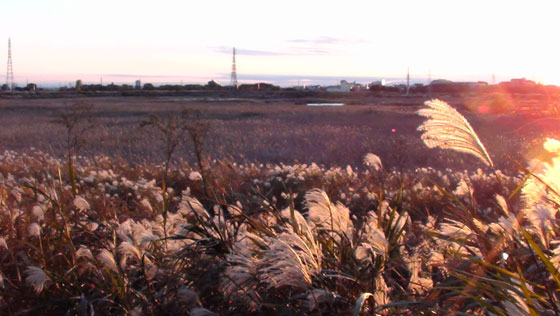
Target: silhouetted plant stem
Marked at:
172, 130
76, 119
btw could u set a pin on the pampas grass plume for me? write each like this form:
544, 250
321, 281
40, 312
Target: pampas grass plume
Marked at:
446, 128
36, 277
107, 258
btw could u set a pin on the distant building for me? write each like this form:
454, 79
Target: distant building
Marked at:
521, 83
213, 85
400, 87
344, 86
378, 83
138, 84
312, 87
357, 87
30, 87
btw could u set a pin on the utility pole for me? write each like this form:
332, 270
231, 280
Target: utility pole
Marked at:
408, 81
233, 72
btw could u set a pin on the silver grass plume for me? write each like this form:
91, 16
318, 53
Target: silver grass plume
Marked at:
290, 261
3, 243
36, 277
374, 241
108, 260
190, 207
299, 221
373, 161
128, 249
239, 281
448, 129
83, 251
34, 230
81, 204
322, 213
543, 187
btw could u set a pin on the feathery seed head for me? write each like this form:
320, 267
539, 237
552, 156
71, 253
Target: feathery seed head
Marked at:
128, 249
146, 204
543, 187
373, 161
190, 206
322, 213
92, 226
464, 188
37, 211
34, 230
195, 176
107, 259
290, 261
446, 128
36, 277
502, 204
239, 280
83, 251
81, 204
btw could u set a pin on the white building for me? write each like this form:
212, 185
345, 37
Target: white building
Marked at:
344, 86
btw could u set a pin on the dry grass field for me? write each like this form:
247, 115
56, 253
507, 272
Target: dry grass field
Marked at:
259, 130
348, 213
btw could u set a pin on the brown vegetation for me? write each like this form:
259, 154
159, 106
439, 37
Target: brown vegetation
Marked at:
104, 236
259, 131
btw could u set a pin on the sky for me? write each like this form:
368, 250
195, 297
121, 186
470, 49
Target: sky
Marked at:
281, 42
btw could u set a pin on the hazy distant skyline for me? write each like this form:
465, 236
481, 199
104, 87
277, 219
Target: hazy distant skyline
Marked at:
170, 41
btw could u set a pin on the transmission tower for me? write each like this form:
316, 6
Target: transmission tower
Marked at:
10, 71
408, 81
233, 72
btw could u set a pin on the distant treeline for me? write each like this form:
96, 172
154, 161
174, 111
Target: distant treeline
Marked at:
444, 87
212, 85
519, 86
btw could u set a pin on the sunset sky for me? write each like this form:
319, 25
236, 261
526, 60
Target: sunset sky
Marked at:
279, 42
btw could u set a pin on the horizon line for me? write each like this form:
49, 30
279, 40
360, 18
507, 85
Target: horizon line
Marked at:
282, 80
